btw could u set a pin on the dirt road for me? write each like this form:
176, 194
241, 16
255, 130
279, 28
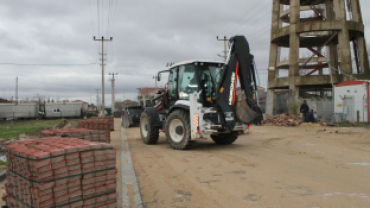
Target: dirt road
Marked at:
270, 167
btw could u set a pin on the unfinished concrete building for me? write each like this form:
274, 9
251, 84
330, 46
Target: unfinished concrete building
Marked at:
323, 42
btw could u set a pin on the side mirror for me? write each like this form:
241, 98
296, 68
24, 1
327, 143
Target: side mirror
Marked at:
159, 77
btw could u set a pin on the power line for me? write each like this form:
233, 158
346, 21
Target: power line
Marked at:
109, 2
248, 20
259, 2
208, 47
93, 30
248, 12
73, 86
114, 15
20, 64
102, 18
98, 13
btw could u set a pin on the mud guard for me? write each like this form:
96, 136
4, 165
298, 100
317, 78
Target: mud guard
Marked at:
154, 115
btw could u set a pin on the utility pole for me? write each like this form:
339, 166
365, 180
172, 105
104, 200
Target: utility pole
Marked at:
97, 98
155, 78
102, 67
225, 47
113, 97
16, 91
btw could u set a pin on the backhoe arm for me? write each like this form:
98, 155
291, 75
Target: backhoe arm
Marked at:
243, 108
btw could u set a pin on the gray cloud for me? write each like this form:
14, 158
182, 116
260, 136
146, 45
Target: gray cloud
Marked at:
147, 35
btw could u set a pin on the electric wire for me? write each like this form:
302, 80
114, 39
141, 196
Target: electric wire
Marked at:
98, 13
231, 26
212, 43
93, 31
20, 64
72, 86
258, 11
102, 18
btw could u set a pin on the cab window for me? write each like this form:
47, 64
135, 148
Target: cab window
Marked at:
172, 86
188, 81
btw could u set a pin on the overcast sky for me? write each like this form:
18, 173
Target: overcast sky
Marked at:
49, 44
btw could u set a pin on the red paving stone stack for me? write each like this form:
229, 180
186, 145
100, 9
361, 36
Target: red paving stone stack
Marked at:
60, 172
96, 124
109, 118
86, 134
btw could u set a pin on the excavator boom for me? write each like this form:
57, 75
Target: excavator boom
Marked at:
244, 107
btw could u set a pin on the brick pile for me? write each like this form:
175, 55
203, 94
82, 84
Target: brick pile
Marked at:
96, 124
60, 172
80, 133
110, 119
281, 120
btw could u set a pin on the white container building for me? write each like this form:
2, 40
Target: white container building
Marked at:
351, 101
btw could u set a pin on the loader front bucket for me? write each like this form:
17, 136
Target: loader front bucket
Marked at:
244, 113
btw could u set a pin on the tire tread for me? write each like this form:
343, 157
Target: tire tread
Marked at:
153, 131
183, 116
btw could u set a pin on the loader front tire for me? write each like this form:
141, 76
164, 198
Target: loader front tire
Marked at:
149, 133
225, 138
178, 130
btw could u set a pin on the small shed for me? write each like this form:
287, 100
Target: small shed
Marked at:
351, 100
64, 109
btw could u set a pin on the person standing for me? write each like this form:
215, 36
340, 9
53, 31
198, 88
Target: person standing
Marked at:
304, 110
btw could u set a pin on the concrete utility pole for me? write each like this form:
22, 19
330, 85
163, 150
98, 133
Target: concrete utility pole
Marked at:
16, 91
113, 97
97, 98
156, 78
102, 66
225, 47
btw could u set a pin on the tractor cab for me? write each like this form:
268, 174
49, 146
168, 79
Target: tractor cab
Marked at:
188, 77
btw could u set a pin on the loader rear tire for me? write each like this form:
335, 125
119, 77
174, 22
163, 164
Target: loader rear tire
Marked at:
149, 133
225, 138
178, 130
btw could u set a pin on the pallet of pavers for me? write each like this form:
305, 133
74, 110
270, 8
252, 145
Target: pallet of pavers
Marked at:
97, 124
86, 134
110, 119
57, 172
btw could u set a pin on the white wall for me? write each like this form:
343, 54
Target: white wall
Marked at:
355, 91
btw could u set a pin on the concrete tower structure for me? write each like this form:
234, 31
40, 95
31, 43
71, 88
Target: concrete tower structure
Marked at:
331, 31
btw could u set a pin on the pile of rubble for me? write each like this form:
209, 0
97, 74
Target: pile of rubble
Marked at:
79, 133
281, 120
61, 172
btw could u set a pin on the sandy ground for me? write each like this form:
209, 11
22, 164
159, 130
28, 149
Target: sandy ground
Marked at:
308, 166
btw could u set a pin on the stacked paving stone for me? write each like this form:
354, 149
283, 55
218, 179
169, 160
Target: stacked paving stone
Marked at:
281, 120
60, 172
96, 124
80, 133
110, 119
